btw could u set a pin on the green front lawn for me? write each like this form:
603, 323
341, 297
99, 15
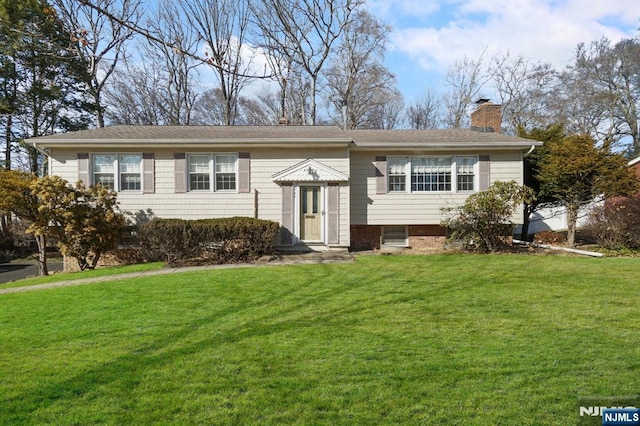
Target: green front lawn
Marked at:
448, 339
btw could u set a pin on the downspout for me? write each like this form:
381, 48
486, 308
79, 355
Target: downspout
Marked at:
45, 153
533, 147
40, 150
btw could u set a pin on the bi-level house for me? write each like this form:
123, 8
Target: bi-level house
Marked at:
327, 187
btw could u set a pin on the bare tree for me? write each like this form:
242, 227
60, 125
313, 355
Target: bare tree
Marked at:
209, 110
100, 40
280, 63
525, 89
180, 79
608, 79
465, 79
271, 103
134, 95
222, 25
387, 115
304, 31
162, 88
576, 105
298, 98
424, 112
371, 94
253, 112
356, 80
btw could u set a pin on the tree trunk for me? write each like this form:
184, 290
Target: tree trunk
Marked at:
95, 260
5, 219
572, 220
99, 114
7, 138
34, 166
283, 97
527, 211
313, 101
42, 255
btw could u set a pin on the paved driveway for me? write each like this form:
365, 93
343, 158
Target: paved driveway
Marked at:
21, 269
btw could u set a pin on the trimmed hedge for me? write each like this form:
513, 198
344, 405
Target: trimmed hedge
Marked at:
206, 241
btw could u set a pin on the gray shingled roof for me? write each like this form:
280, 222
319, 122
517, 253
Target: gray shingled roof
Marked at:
199, 133
283, 135
375, 137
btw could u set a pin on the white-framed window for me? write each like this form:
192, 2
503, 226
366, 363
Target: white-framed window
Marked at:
432, 174
103, 167
466, 173
225, 172
200, 172
130, 169
121, 172
397, 171
221, 169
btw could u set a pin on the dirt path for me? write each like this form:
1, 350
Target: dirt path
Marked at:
298, 259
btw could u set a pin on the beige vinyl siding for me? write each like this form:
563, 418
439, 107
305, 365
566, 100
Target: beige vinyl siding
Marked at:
369, 208
264, 163
507, 166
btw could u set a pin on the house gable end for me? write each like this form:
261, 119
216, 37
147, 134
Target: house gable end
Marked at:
310, 171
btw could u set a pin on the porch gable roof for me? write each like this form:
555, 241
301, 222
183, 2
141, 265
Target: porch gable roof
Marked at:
310, 171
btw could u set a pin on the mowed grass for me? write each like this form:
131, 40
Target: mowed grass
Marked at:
447, 339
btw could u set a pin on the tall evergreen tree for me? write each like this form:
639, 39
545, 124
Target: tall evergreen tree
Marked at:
43, 81
575, 171
532, 161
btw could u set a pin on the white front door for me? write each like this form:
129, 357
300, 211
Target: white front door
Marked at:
311, 209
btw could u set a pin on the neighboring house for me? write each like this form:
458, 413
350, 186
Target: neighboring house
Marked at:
555, 218
325, 186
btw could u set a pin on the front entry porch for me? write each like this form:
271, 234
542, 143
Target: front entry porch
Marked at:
310, 204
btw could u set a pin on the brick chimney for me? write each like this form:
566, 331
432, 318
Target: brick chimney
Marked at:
487, 117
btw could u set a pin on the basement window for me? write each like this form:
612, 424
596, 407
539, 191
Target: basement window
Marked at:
394, 235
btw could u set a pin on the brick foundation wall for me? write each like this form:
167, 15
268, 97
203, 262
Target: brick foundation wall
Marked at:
427, 243
426, 231
426, 237
420, 237
365, 237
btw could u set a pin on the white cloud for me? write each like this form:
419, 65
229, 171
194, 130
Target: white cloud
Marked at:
545, 30
389, 10
255, 63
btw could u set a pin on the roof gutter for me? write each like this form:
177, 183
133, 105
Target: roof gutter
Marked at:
221, 143
533, 147
40, 150
442, 146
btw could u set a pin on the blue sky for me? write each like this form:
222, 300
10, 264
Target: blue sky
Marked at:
429, 35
